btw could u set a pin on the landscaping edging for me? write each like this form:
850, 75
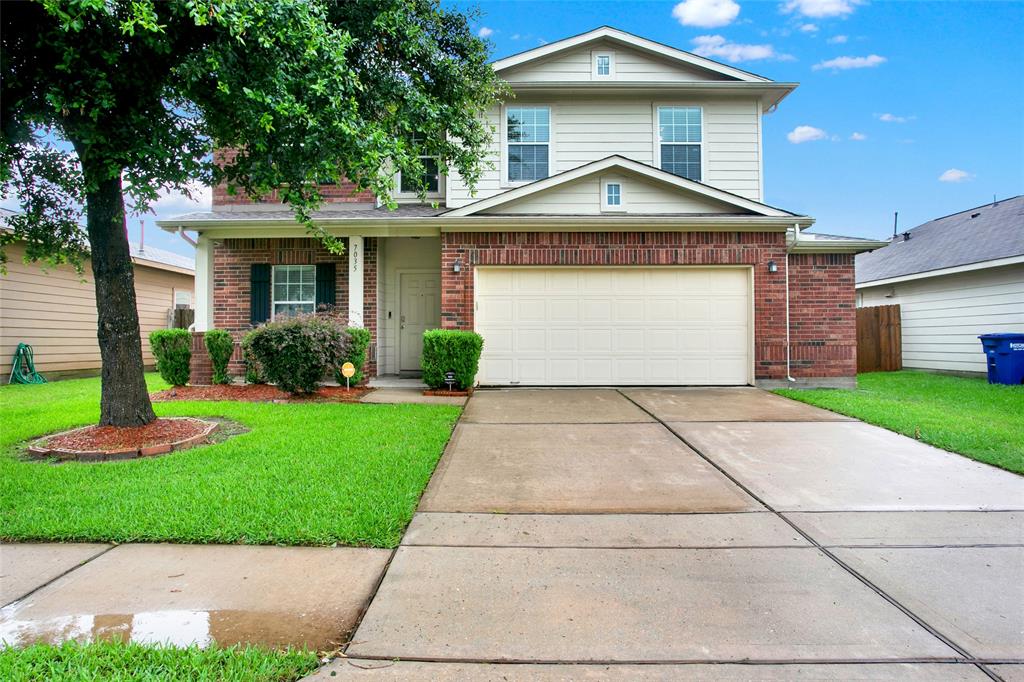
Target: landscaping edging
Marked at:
40, 449
445, 393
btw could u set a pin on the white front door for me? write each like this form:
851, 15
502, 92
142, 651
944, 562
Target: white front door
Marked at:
614, 326
419, 310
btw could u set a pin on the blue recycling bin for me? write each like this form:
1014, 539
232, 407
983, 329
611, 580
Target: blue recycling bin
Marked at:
1005, 355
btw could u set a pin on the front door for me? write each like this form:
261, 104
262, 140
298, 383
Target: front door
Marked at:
419, 310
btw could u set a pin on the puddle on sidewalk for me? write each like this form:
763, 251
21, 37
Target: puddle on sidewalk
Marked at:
175, 627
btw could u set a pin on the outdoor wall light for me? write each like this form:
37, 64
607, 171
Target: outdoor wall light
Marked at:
457, 266
772, 267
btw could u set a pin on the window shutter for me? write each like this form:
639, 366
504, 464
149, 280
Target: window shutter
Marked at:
259, 293
324, 285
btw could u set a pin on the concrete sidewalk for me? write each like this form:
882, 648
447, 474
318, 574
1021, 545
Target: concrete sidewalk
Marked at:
697, 534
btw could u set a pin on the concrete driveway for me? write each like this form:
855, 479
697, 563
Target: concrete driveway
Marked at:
697, 534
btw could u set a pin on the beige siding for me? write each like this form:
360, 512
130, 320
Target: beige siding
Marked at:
591, 129
583, 197
54, 311
396, 255
630, 65
943, 316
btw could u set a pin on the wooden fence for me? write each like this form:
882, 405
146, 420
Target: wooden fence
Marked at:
182, 317
879, 340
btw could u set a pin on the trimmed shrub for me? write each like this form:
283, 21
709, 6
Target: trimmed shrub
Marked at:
451, 350
296, 353
172, 349
359, 341
253, 373
220, 345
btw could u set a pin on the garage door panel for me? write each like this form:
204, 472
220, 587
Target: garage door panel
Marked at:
600, 326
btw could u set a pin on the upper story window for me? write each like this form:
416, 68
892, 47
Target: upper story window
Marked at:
612, 196
431, 178
679, 140
528, 135
182, 298
294, 288
603, 63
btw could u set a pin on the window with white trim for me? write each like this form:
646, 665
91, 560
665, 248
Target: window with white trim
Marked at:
604, 65
182, 298
431, 177
613, 194
294, 289
528, 136
680, 137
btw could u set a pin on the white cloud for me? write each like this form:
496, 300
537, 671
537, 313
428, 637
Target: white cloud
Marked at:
955, 175
706, 13
808, 28
893, 118
802, 134
485, 32
844, 63
718, 46
858, 137
819, 9
173, 200
516, 36
837, 40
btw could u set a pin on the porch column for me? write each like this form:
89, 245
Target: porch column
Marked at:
204, 284
355, 281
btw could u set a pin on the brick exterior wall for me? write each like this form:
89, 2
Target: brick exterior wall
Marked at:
231, 295
822, 315
822, 285
341, 193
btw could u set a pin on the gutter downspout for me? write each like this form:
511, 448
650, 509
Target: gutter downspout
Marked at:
184, 235
789, 246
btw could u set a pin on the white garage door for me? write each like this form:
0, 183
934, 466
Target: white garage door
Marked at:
614, 326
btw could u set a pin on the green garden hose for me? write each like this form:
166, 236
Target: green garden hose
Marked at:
23, 370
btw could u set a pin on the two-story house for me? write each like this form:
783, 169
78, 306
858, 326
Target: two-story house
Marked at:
622, 238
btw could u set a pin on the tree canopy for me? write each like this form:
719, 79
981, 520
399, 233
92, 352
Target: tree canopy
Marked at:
104, 97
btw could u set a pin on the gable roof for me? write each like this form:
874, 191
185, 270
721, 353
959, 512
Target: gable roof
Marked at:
616, 162
634, 41
992, 232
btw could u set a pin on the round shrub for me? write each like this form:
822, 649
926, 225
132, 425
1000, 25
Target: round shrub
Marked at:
296, 353
172, 349
450, 350
220, 345
359, 341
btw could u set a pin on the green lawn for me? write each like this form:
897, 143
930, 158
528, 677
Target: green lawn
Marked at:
117, 661
305, 474
982, 421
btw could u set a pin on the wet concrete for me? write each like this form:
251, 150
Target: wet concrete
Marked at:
390, 396
362, 669
576, 468
752, 529
547, 605
850, 466
25, 567
184, 594
913, 528
974, 596
726, 405
552, 406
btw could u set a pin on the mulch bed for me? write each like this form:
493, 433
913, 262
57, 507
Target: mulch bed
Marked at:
104, 443
260, 393
445, 393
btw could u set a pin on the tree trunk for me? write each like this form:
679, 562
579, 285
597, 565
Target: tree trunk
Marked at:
124, 400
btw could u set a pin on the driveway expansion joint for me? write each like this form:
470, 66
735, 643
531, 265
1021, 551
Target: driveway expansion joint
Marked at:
110, 546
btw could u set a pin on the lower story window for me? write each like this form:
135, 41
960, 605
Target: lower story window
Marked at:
294, 289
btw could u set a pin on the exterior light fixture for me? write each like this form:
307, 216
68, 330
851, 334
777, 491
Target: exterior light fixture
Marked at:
772, 267
457, 266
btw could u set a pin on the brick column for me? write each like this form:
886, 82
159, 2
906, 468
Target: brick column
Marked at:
201, 369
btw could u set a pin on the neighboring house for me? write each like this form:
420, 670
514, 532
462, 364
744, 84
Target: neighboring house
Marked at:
54, 309
954, 278
622, 237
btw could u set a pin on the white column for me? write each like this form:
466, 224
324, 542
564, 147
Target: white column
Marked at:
355, 281
204, 284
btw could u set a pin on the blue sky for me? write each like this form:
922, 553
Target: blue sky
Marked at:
934, 88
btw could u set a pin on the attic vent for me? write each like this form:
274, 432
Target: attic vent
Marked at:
906, 236
975, 215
